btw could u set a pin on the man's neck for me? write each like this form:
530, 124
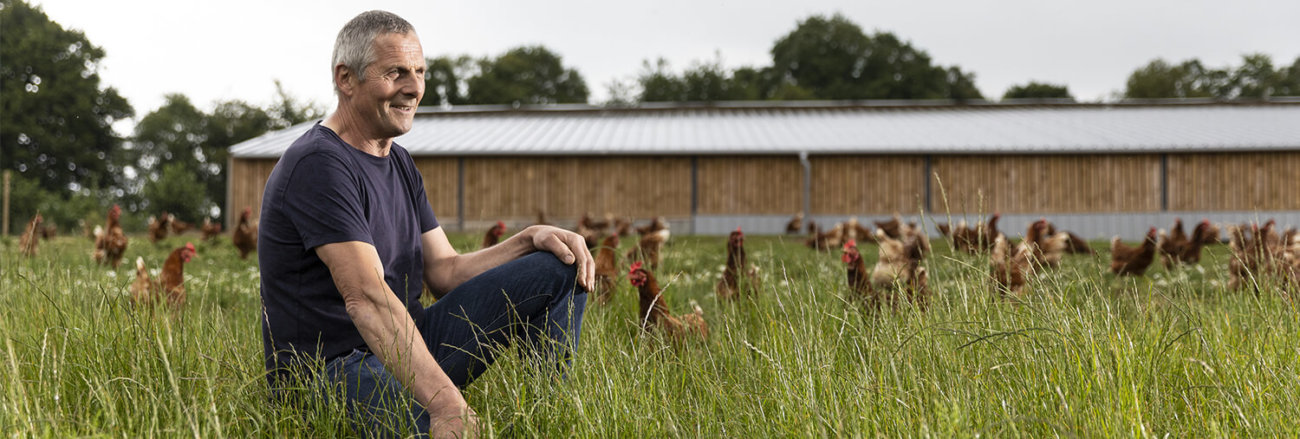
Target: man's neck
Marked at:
348, 128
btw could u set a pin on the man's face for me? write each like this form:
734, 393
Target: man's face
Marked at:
394, 84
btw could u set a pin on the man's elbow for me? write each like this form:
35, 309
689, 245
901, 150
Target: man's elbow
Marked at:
434, 289
439, 282
360, 306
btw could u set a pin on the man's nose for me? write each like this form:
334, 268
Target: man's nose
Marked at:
412, 85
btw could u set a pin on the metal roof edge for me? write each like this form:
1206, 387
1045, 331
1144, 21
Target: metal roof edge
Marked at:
812, 152
237, 150
849, 104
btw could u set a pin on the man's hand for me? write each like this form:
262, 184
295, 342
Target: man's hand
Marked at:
454, 422
570, 247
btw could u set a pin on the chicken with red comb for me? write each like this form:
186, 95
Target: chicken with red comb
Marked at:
170, 284
493, 235
654, 315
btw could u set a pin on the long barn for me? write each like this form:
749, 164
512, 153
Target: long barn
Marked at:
1096, 169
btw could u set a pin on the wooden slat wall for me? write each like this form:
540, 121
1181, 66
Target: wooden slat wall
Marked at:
749, 185
440, 182
566, 187
247, 180
878, 185
1047, 184
1242, 182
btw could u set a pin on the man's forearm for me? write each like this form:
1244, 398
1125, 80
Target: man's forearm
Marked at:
386, 326
392, 336
460, 268
444, 269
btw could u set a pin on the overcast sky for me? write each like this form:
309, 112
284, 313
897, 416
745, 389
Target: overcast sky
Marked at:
235, 49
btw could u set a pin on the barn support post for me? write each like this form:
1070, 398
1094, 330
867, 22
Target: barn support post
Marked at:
8, 175
460, 193
1164, 182
929, 196
695, 191
806, 206
230, 194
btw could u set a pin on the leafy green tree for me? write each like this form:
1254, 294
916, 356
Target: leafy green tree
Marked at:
707, 82
178, 133
703, 82
1289, 80
445, 80
659, 84
1159, 79
1038, 90
176, 192
755, 83
823, 54
55, 119
289, 111
621, 92
230, 122
961, 85
833, 59
526, 75
1255, 78
174, 133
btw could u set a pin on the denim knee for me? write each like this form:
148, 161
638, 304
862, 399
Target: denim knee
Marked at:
545, 267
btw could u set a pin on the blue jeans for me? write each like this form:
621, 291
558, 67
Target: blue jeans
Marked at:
533, 300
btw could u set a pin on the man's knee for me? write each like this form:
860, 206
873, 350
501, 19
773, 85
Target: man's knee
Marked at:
546, 268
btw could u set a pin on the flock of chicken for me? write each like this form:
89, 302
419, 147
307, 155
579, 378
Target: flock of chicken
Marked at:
111, 243
899, 275
604, 236
1257, 251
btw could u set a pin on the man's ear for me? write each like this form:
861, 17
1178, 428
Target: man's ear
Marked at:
344, 79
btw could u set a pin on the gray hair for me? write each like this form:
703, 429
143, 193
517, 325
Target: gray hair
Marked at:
355, 46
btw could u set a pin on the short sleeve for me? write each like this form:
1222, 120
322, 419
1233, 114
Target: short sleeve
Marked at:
324, 200
419, 198
422, 208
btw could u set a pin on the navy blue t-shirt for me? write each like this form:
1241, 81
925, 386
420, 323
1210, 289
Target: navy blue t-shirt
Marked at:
325, 191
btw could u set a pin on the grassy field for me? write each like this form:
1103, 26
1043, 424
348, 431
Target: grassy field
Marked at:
1086, 355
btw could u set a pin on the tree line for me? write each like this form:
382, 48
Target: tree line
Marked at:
56, 117
57, 139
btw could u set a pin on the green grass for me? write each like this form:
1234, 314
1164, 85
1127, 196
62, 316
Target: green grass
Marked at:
1086, 355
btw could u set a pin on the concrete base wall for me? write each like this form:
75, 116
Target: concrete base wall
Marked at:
1128, 226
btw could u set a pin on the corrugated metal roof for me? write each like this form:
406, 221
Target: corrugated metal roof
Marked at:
818, 128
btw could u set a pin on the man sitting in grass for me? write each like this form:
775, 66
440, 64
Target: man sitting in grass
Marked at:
348, 241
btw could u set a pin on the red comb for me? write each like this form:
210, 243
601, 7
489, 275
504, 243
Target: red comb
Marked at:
851, 243
501, 224
190, 246
635, 266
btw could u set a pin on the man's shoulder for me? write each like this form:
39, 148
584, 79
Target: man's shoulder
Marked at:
317, 140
